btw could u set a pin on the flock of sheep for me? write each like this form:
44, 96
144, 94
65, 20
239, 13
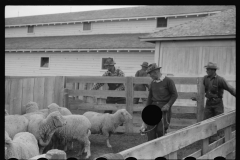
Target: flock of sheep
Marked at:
38, 131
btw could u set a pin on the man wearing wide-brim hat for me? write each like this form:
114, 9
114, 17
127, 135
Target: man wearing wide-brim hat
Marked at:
162, 93
214, 86
112, 72
141, 87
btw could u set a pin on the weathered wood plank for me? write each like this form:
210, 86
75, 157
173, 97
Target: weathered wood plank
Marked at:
7, 91
181, 95
225, 119
129, 102
27, 92
182, 122
172, 155
184, 109
48, 91
96, 93
200, 100
216, 144
228, 133
195, 154
95, 79
87, 106
59, 90
38, 93
176, 80
205, 146
172, 142
223, 150
231, 155
16, 96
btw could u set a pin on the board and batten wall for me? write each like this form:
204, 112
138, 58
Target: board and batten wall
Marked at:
107, 27
188, 58
73, 64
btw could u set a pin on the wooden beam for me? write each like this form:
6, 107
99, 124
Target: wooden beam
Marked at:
172, 142
225, 119
222, 150
129, 102
200, 100
94, 79
95, 93
195, 154
181, 95
176, 80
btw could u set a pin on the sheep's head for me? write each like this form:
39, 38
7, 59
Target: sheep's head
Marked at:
57, 119
125, 116
53, 107
31, 107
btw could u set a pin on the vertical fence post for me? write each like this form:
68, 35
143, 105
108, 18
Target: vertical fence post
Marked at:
65, 93
200, 99
129, 102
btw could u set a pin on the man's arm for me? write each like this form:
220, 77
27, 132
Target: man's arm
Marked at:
121, 87
149, 100
228, 87
98, 85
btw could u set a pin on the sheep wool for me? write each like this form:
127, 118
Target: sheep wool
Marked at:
31, 107
15, 124
54, 107
43, 128
23, 146
77, 128
105, 123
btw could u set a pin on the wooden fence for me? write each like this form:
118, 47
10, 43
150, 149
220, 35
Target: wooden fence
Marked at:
42, 90
168, 146
184, 114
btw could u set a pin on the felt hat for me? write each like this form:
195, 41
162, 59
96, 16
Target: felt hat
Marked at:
109, 61
211, 65
152, 67
145, 64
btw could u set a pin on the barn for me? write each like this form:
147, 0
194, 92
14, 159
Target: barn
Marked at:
185, 49
73, 44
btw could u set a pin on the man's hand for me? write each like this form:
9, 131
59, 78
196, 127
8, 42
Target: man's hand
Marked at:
143, 127
165, 107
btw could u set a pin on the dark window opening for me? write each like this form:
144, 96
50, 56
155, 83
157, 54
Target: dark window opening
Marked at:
45, 62
86, 26
30, 29
161, 22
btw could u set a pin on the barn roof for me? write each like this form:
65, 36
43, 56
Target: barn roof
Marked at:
220, 24
104, 41
143, 11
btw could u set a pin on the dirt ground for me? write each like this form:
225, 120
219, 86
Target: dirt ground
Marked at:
122, 142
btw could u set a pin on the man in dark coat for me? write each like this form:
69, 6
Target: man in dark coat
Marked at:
214, 86
162, 93
141, 87
112, 72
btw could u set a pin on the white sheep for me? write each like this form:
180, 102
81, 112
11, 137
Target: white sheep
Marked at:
23, 146
31, 107
43, 128
77, 129
15, 124
105, 123
54, 107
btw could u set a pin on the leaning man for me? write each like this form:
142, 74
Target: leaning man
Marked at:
214, 86
112, 72
162, 93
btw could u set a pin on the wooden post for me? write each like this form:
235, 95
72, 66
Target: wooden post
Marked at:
129, 102
200, 99
59, 90
65, 93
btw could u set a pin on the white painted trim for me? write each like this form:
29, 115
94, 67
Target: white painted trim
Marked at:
78, 50
118, 19
49, 64
154, 39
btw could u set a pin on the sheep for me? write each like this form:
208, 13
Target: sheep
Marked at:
77, 128
23, 146
54, 107
43, 128
105, 123
15, 124
31, 107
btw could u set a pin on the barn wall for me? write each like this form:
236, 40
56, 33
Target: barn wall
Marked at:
73, 64
108, 27
188, 58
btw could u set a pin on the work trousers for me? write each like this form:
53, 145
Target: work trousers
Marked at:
162, 127
210, 111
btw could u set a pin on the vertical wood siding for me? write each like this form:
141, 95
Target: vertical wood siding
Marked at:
73, 64
107, 27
